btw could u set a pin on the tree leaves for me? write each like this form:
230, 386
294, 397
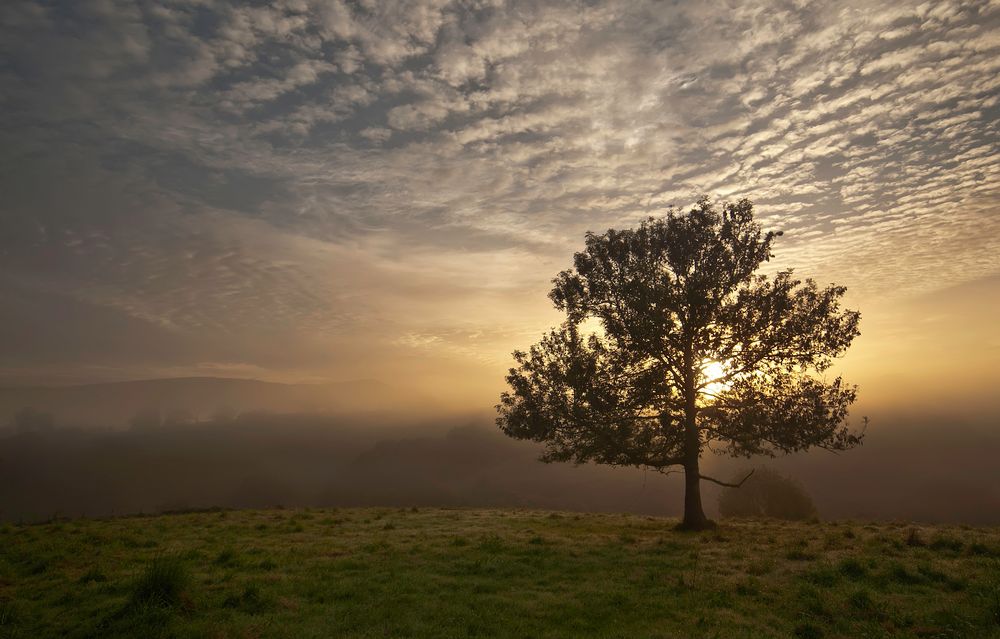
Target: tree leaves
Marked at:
669, 296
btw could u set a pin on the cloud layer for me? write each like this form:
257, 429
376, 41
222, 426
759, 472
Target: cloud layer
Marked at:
328, 189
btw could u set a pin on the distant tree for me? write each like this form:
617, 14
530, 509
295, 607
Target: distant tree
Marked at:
224, 415
694, 350
766, 493
146, 419
178, 417
32, 420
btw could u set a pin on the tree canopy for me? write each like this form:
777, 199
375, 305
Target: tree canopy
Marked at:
767, 493
673, 343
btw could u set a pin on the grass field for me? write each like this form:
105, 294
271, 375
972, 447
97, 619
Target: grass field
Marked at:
492, 573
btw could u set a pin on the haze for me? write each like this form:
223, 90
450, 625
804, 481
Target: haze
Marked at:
316, 193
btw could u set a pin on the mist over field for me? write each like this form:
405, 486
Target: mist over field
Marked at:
167, 445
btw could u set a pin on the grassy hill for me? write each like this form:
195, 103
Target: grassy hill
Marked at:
492, 573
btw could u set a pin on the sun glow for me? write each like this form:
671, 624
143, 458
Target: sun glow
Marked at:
711, 371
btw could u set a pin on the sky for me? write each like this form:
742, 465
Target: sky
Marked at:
317, 191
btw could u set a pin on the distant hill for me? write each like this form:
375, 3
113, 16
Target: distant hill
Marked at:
184, 398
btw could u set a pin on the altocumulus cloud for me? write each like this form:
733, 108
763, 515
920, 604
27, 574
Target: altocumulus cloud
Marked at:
330, 188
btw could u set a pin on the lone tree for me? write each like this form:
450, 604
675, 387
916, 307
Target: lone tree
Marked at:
695, 351
767, 494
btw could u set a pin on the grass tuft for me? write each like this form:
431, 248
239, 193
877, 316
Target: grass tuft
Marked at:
913, 539
900, 574
947, 544
491, 544
161, 584
226, 558
797, 554
267, 564
852, 568
994, 605
93, 576
861, 600
250, 600
8, 618
32, 567
979, 549
808, 631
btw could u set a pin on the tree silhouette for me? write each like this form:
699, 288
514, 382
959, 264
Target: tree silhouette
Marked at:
694, 351
32, 420
767, 493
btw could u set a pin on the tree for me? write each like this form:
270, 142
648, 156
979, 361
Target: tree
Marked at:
32, 420
146, 419
178, 417
766, 493
693, 350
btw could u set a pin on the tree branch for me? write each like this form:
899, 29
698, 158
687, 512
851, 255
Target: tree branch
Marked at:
666, 472
725, 483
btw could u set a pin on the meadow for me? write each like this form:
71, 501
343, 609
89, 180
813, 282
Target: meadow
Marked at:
492, 573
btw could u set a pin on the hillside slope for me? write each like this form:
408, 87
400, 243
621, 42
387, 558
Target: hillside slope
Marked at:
492, 573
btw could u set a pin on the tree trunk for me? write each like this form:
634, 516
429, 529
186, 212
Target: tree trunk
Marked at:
694, 515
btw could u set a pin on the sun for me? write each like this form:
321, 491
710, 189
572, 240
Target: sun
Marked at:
713, 370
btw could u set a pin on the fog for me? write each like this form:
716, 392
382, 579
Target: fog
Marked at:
267, 460
169, 445
191, 399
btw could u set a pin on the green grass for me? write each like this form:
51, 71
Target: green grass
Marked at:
492, 573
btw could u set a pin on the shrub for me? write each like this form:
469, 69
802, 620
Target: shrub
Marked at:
766, 494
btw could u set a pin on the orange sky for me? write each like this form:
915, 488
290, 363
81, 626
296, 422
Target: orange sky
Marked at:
305, 191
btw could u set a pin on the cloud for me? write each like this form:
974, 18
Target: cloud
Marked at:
408, 174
